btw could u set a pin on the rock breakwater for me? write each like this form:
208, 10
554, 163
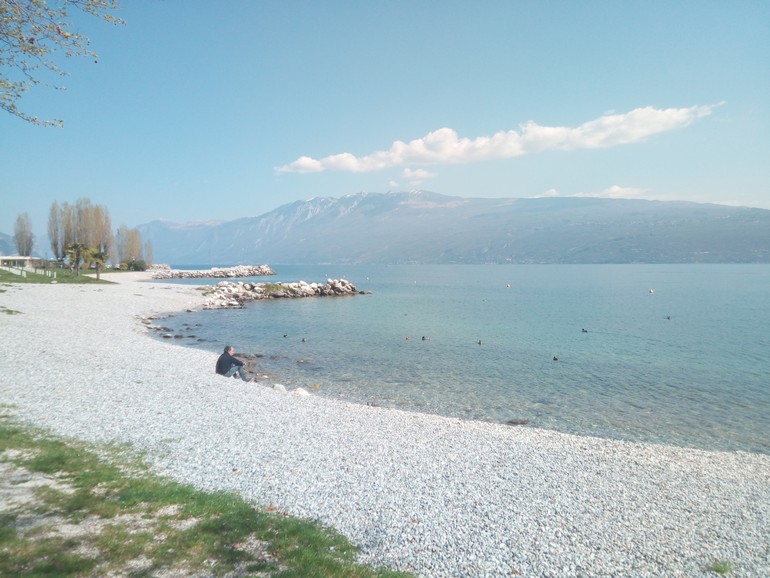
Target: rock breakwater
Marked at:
235, 294
165, 272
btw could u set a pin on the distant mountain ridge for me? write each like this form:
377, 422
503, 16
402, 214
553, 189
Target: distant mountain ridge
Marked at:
425, 227
7, 245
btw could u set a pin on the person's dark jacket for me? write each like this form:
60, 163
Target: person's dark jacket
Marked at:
225, 362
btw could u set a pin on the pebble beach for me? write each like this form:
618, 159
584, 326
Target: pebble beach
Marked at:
437, 496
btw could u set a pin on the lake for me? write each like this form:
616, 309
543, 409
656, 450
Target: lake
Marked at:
675, 354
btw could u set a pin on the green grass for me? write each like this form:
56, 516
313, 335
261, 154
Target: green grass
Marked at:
63, 275
721, 567
140, 523
270, 288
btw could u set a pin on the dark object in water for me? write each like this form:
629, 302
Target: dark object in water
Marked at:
517, 422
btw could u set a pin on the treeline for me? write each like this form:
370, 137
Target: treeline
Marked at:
82, 234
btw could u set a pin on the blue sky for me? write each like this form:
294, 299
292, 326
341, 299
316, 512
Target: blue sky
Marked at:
202, 111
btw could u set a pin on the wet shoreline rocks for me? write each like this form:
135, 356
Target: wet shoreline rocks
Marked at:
165, 272
228, 294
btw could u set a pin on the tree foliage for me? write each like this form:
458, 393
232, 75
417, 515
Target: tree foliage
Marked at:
134, 265
99, 259
55, 231
149, 253
93, 227
82, 223
31, 33
76, 252
129, 243
83, 233
22, 235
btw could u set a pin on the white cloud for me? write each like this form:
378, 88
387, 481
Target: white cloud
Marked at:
413, 177
303, 165
616, 192
417, 174
444, 146
613, 192
548, 194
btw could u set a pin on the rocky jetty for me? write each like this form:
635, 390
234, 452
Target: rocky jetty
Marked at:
165, 272
231, 294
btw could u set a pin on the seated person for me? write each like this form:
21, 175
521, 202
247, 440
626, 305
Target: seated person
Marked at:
228, 365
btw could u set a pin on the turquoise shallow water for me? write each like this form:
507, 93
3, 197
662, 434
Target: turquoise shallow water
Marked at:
686, 364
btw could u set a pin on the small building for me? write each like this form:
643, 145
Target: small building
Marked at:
17, 261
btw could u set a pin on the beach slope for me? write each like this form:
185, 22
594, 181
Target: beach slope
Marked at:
434, 495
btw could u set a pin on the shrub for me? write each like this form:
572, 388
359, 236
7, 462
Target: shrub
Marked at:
136, 265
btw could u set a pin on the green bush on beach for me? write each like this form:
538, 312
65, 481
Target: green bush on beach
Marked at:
134, 265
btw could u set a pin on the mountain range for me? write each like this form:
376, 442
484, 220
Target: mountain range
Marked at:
7, 246
425, 227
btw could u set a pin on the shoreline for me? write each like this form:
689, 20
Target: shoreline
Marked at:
438, 496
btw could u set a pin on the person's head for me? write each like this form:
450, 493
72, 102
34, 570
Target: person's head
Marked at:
229, 349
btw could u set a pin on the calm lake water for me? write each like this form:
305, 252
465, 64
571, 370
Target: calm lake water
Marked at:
677, 354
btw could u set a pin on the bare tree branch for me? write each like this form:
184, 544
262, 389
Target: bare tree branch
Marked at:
31, 32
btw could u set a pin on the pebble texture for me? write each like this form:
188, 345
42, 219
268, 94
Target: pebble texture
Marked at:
437, 496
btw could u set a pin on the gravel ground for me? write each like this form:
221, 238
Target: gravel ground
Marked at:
438, 496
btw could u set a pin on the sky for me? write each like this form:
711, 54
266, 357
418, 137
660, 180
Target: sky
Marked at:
212, 111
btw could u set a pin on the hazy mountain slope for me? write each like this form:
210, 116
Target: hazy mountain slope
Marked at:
7, 246
424, 227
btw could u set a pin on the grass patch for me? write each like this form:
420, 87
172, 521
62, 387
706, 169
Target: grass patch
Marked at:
96, 511
721, 567
62, 276
270, 288
7, 311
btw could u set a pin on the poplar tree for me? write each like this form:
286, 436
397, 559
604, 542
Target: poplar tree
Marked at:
22, 235
129, 243
82, 223
149, 254
55, 231
69, 225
